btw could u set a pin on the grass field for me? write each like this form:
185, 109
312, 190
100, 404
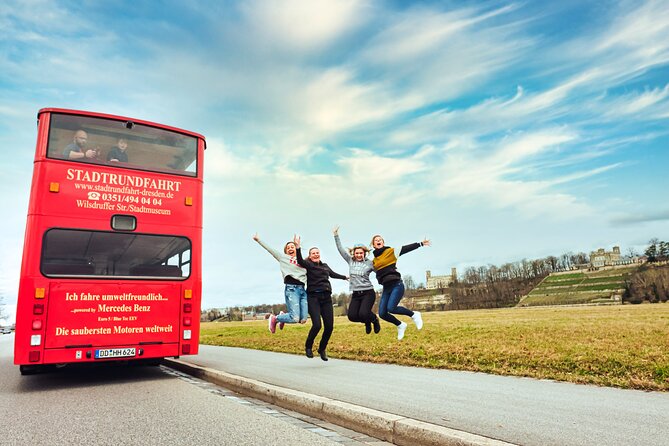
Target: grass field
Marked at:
622, 346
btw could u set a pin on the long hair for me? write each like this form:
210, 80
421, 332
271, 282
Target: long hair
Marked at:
364, 248
373, 237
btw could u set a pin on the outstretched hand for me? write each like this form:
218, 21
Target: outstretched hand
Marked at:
427, 242
296, 240
255, 237
335, 230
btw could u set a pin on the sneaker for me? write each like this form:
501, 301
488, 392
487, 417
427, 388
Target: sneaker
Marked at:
417, 319
377, 325
281, 324
368, 327
271, 323
401, 328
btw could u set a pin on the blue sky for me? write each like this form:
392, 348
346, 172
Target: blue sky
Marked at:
499, 130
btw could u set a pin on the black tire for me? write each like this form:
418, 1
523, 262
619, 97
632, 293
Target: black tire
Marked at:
30, 369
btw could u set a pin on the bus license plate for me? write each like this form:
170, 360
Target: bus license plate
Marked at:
114, 353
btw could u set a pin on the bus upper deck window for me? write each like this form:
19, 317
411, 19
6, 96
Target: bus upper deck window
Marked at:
123, 223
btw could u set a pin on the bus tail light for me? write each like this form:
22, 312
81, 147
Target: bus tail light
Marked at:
188, 294
37, 324
35, 340
185, 349
187, 335
187, 321
54, 187
189, 201
188, 308
39, 293
33, 356
38, 309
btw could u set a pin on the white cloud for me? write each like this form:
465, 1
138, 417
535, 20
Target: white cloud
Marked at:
652, 103
304, 26
642, 28
494, 176
340, 111
334, 101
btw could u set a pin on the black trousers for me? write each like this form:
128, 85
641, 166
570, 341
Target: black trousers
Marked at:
320, 306
360, 308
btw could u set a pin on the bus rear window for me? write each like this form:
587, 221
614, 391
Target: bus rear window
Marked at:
122, 144
80, 253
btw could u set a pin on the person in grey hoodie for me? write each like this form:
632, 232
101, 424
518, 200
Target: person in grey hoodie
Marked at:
362, 290
294, 278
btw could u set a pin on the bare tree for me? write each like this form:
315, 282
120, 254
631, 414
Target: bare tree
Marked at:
409, 282
631, 253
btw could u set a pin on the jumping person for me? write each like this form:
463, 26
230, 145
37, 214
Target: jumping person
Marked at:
319, 297
385, 266
362, 290
294, 278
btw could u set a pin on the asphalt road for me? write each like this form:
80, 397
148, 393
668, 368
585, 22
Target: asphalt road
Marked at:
518, 410
128, 406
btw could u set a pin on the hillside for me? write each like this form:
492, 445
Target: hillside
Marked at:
602, 286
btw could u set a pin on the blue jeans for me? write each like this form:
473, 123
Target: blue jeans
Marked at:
392, 293
296, 305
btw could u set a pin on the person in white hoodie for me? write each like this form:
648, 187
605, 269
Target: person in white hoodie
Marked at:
294, 278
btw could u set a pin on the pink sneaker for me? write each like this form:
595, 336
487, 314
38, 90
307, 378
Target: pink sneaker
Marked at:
281, 324
272, 323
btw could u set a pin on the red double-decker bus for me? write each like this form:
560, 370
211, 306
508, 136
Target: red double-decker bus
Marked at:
111, 260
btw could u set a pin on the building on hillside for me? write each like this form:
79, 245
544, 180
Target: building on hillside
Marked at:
433, 282
602, 258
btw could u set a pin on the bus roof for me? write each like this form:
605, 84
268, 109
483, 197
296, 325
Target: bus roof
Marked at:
122, 118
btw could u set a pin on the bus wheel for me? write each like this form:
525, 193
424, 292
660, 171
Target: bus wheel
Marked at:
154, 362
151, 362
30, 369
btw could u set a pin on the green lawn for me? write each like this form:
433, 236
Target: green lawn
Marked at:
622, 345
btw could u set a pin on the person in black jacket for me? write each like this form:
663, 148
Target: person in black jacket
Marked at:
385, 266
118, 153
319, 298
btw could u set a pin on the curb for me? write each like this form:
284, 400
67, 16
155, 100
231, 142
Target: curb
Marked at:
385, 426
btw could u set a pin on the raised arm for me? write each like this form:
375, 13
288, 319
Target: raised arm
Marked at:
344, 253
412, 246
276, 254
298, 253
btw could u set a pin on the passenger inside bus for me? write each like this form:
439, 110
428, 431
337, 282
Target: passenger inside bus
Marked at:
77, 148
118, 153
101, 141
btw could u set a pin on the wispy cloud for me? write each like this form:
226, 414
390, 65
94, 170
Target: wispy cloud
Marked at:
644, 217
651, 103
315, 111
494, 176
303, 27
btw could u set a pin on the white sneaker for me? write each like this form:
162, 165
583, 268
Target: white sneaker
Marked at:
417, 319
401, 328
